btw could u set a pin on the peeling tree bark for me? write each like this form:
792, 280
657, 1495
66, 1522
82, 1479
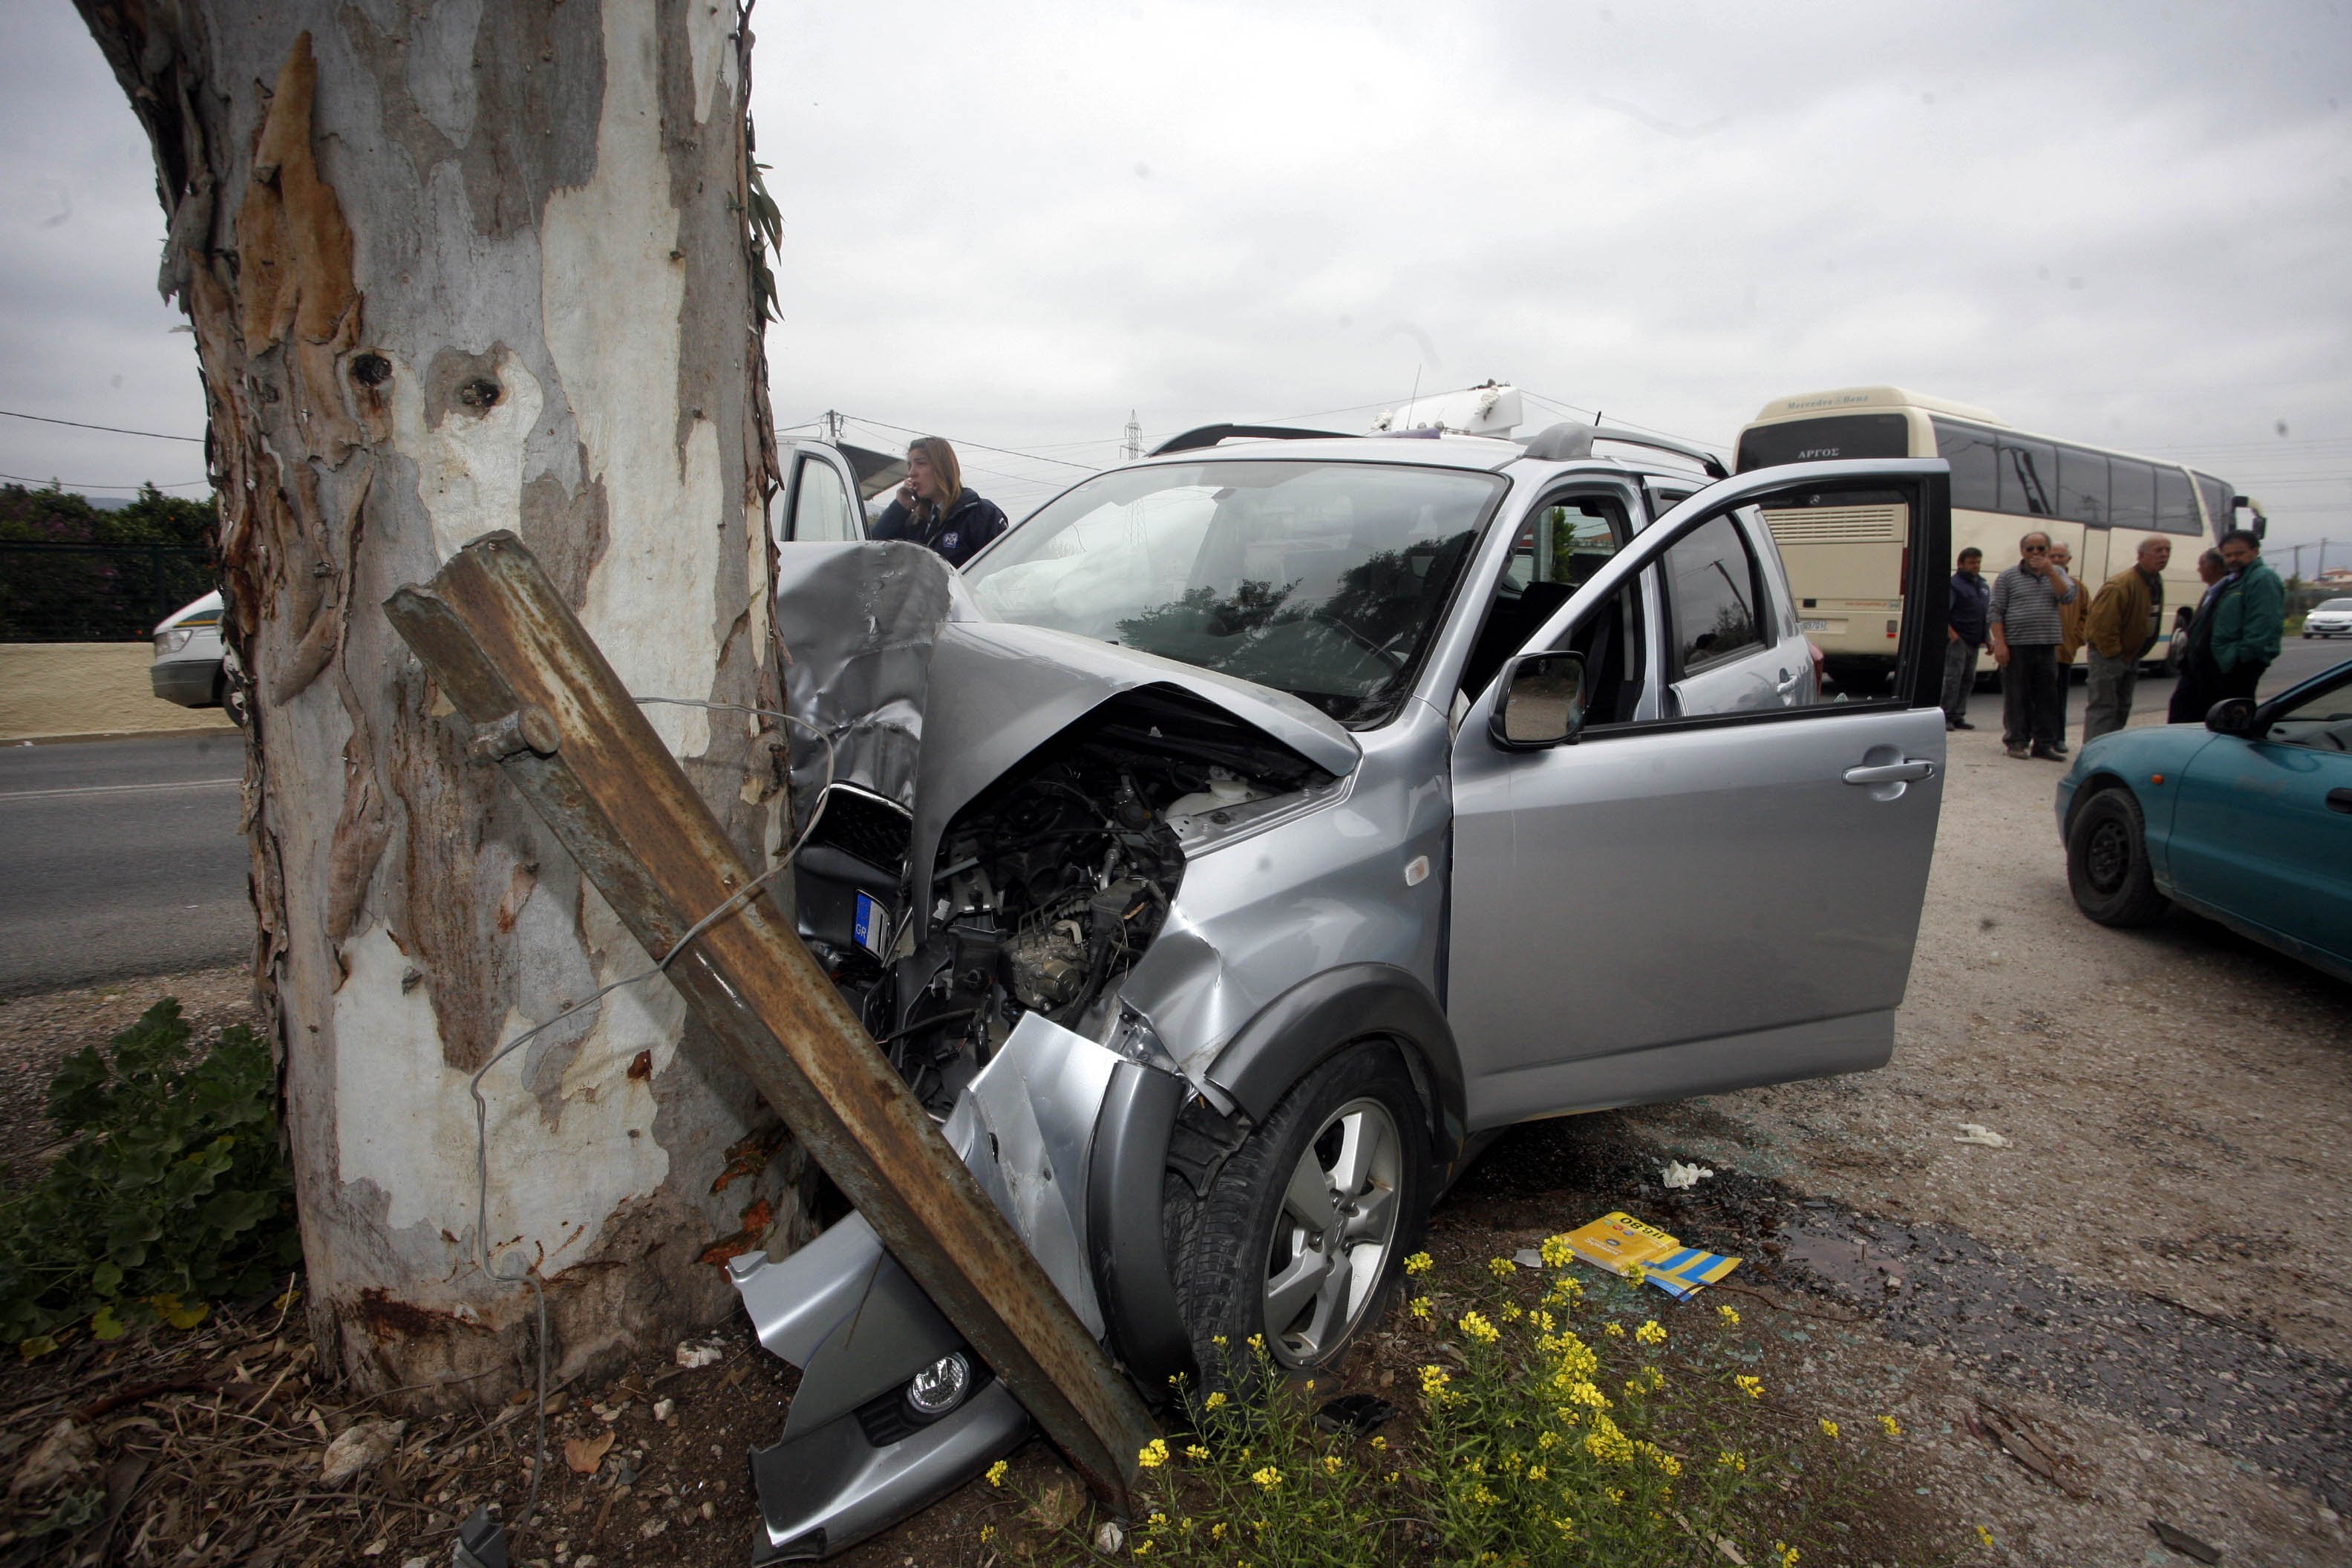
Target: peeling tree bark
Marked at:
453, 267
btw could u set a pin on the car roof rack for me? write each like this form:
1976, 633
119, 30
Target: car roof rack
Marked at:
1210, 435
1568, 441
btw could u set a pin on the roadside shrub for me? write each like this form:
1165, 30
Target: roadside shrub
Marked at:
170, 1193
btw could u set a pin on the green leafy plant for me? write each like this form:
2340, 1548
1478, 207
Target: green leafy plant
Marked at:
170, 1194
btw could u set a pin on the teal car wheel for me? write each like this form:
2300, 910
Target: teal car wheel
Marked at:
2107, 862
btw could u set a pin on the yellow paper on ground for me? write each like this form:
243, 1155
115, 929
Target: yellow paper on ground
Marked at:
1613, 1241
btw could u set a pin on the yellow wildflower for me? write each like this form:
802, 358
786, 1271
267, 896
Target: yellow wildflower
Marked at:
1660, 1457
987, 1533
1751, 1386
1615, 1331
1632, 1273
1419, 1308
1985, 1535
1617, 1496
1547, 1440
1219, 1340
1217, 1530
1511, 1313
1331, 1463
1731, 1461
1539, 1473
1788, 1553
1215, 1401
1269, 1477
1195, 1451
1829, 1427
1730, 1316
1433, 1379
1478, 1329
997, 1473
1380, 1443
1419, 1263
1153, 1455
1650, 1333
1891, 1427
1556, 1251
1258, 1342
1481, 1498
1502, 1268
1541, 1320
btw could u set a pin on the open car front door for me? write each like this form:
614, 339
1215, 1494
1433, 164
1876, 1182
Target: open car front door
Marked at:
1726, 893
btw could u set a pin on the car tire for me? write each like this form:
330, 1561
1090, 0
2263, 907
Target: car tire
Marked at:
228, 696
1255, 1263
2107, 862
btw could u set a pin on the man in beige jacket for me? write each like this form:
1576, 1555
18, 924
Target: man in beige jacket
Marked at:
2121, 627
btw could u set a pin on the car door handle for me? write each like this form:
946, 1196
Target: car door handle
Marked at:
1788, 683
2340, 800
1909, 771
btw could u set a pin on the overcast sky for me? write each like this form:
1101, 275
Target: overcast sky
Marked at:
2130, 224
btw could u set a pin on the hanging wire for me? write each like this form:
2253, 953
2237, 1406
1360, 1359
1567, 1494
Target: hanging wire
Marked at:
109, 430
530, 1275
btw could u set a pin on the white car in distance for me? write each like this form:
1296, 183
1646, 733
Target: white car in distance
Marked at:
191, 666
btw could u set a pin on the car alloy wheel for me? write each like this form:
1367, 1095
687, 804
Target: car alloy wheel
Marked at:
1333, 1237
1303, 1230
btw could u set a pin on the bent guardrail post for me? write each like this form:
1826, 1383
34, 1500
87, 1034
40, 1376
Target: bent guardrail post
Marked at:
506, 651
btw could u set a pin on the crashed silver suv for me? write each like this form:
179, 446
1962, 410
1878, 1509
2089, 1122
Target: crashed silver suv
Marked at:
1242, 840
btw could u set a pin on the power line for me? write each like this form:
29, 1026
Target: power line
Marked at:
109, 430
127, 489
1006, 451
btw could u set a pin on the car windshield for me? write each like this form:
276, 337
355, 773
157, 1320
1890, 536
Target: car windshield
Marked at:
1325, 580
2337, 605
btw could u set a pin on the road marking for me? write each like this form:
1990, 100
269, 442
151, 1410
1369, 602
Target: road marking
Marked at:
116, 789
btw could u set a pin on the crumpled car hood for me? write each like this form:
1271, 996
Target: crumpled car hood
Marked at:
927, 701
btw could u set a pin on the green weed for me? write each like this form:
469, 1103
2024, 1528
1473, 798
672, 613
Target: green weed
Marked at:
171, 1192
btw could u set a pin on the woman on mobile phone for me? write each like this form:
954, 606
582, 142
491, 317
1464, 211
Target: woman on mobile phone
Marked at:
934, 508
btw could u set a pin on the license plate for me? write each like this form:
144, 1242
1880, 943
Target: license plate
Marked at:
1812, 626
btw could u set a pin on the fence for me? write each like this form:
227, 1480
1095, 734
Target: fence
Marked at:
96, 592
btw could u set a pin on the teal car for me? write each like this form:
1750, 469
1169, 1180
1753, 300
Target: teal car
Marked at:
2245, 819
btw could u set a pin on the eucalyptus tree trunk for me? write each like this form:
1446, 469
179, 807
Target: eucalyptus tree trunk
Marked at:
456, 266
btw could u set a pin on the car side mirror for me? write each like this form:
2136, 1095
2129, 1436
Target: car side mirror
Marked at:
1543, 701
2231, 716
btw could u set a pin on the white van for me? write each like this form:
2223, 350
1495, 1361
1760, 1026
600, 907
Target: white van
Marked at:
189, 668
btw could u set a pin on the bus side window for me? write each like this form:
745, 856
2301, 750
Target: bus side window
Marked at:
2135, 503
2029, 475
2176, 508
1976, 465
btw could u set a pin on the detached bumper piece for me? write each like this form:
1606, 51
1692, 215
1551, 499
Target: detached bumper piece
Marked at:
893, 1409
826, 1488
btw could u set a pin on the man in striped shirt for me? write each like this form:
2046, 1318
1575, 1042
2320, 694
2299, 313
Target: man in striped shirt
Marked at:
2027, 625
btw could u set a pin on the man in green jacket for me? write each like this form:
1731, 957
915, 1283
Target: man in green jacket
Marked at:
2121, 628
2248, 614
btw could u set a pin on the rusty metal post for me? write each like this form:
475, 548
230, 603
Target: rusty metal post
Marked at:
511, 656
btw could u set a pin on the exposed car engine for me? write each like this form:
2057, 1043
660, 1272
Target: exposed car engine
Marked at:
1050, 884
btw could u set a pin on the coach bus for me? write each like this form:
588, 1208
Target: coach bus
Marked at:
1845, 561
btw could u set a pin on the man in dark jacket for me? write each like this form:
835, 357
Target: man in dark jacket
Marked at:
1965, 627
934, 508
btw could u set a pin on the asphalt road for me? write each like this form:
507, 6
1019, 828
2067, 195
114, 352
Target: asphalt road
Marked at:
121, 857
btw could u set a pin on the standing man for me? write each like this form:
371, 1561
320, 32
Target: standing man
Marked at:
2249, 614
2122, 626
1964, 631
2073, 618
2189, 700
2026, 619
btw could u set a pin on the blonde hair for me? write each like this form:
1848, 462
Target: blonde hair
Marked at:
945, 469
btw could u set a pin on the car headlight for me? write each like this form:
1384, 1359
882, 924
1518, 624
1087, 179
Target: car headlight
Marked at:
172, 641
